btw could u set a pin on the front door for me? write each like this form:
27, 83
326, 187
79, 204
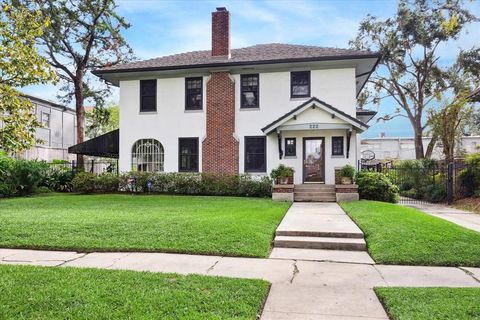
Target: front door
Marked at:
314, 160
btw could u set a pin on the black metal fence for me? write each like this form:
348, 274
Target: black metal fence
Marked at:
96, 166
437, 181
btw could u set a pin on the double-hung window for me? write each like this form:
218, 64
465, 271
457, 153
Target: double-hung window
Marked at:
337, 146
300, 84
249, 91
148, 95
255, 154
194, 93
188, 154
290, 147
45, 119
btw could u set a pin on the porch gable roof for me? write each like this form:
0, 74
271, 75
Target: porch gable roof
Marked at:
315, 102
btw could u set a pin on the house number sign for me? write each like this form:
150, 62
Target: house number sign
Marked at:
314, 126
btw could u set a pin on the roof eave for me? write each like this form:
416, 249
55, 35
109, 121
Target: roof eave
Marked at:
377, 55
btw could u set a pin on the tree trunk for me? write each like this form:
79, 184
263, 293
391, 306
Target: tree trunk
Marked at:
418, 135
431, 146
80, 111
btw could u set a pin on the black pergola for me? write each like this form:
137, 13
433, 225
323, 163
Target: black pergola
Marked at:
105, 146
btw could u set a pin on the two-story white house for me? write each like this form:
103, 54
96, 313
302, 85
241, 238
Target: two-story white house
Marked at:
243, 110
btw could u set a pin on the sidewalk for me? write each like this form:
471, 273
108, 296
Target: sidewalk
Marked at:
300, 289
463, 218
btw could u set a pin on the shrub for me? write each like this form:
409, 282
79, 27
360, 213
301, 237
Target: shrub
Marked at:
435, 193
59, 178
376, 186
198, 184
29, 175
470, 177
107, 182
87, 182
347, 171
8, 183
84, 182
415, 174
281, 172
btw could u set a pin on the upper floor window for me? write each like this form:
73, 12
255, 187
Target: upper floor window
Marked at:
290, 147
300, 84
45, 119
193, 93
255, 154
337, 146
148, 95
249, 90
188, 154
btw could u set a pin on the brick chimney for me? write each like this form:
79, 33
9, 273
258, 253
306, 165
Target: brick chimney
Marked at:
220, 152
221, 33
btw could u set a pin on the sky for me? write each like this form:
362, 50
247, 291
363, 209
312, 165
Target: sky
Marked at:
167, 27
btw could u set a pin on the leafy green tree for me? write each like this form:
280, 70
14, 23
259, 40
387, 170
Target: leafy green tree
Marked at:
82, 36
448, 123
409, 71
102, 120
20, 65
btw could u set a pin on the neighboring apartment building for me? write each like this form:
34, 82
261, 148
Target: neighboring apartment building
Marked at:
57, 134
397, 148
243, 110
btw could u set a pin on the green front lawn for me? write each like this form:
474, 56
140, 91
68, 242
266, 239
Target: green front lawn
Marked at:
401, 235
70, 293
120, 222
431, 303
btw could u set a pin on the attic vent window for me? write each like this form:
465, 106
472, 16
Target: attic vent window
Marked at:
300, 84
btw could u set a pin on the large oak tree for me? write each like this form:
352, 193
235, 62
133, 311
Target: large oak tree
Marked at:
82, 36
410, 72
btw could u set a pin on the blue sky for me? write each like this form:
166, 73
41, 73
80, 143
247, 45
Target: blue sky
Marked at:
167, 27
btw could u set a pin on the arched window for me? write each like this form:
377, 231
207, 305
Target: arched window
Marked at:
147, 155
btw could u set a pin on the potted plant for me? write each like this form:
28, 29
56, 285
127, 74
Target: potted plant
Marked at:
346, 173
282, 174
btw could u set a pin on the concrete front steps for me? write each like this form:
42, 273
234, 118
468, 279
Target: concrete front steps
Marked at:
314, 193
331, 243
315, 231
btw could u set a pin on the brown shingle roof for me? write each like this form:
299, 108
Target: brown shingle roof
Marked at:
274, 52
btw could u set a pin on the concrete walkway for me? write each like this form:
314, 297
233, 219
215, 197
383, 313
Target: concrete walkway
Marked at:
463, 218
300, 289
326, 220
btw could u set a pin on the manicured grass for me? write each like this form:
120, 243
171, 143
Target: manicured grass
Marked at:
401, 235
119, 222
431, 303
71, 293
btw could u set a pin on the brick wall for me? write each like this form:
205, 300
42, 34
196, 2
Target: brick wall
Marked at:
221, 33
220, 148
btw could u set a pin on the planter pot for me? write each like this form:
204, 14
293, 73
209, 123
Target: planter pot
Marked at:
346, 180
284, 180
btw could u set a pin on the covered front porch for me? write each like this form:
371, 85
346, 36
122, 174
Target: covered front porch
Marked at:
314, 139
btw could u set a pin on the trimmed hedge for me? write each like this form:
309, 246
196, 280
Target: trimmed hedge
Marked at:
376, 186
175, 183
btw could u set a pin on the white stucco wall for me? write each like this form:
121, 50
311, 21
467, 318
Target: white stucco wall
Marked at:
171, 121
167, 124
